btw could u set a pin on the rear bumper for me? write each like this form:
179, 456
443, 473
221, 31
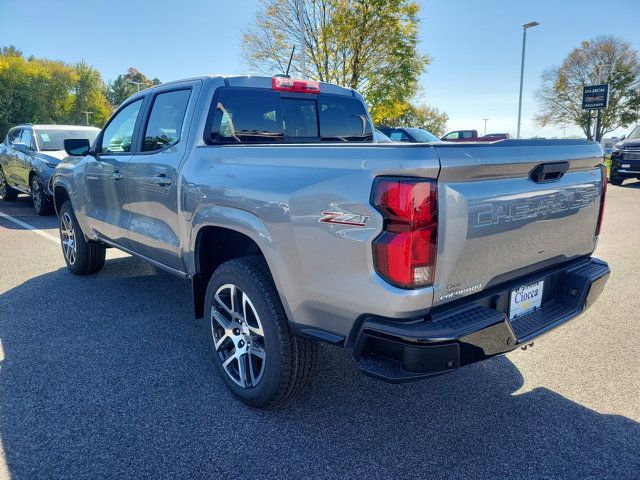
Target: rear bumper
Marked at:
477, 327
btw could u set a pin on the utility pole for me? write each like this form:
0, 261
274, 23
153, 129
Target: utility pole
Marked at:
137, 84
303, 56
87, 116
485, 125
524, 43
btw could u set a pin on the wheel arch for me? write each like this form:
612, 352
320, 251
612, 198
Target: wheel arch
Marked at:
214, 245
60, 195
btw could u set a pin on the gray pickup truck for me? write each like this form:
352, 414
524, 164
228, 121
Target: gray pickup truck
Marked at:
271, 196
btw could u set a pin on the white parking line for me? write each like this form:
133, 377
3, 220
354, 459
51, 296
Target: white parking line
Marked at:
40, 232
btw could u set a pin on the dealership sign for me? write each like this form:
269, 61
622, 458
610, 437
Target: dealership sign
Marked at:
595, 97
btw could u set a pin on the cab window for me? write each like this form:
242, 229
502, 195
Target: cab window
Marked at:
27, 138
165, 121
248, 115
118, 135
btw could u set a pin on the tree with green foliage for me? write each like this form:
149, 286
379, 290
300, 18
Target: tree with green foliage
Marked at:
408, 115
89, 95
45, 91
601, 60
127, 84
368, 45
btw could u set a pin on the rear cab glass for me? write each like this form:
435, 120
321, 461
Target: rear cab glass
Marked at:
254, 115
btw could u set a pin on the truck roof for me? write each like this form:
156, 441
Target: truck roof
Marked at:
256, 81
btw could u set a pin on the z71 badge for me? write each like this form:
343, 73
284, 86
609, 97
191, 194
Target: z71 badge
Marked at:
342, 218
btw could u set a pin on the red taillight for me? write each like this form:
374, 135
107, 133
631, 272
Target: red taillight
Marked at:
603, 169
405, 252
284, 84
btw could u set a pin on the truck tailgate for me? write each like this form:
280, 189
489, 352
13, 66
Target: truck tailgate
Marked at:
498, 219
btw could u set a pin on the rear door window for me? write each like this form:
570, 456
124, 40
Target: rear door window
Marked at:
27, 138
165, 121
246, 115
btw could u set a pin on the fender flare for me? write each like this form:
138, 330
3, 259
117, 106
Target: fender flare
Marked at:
243, 222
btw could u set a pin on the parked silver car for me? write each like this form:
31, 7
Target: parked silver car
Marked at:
28, 156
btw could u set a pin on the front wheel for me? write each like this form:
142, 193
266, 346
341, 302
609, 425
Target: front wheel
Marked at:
81, 256
41, 201
253, 349
617, 181
6, 192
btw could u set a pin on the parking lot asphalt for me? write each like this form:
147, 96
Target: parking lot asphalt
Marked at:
108, 376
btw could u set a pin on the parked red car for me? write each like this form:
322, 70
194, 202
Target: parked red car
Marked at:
472, 136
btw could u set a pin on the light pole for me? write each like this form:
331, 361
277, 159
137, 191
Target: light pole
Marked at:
524, 43
137, 84
485, 125
87, 115
303, 57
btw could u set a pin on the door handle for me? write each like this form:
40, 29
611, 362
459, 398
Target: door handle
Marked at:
116, 175
162, 180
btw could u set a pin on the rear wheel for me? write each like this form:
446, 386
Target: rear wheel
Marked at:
41, 201
6, 192
253, 349
81, 256
616, 181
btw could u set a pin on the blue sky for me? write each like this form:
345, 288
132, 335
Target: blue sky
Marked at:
475, 46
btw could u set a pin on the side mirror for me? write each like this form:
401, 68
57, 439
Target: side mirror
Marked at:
20, 147
77, 146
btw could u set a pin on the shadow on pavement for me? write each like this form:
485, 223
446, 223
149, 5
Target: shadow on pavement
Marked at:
108, 375
22, 209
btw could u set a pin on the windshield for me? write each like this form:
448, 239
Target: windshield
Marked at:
53, 139
422, 135
635, 133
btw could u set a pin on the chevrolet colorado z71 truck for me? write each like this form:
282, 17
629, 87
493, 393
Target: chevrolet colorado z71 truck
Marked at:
293, 225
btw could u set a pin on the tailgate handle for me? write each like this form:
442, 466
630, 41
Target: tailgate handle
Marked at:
549, 172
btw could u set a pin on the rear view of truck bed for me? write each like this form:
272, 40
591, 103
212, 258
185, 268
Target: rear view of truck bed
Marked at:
517, 222
513, 207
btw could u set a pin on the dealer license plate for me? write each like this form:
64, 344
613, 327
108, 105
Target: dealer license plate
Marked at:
626, 165
525, 298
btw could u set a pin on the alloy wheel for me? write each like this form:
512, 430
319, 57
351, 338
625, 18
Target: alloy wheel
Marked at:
68, 237
35, 193
3, 184
238, 336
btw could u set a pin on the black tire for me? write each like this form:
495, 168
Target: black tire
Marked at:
42, 202
289, 360
81, 256
6, 192
617, 181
